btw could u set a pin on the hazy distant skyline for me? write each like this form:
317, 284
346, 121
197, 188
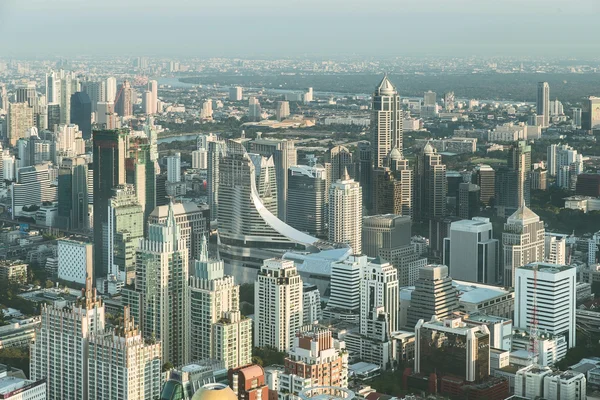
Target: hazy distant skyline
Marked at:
244, 28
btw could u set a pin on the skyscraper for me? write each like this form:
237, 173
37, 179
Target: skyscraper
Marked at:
543, 103
235, 93
590, 114
81, 113
429, 98
431, 185
73, 194
345, 213
340, 159
307, 194
468, 200
160, 302
216, 151
141, 173
254, 109
18, 120
124, 104
523, 242
174, 168
278, 299
218, 330
67, 84
379, 295
365, 172
96, 90
386, 122
111, 89
282, 110
109, 171
484, 176
153, 87
388, 192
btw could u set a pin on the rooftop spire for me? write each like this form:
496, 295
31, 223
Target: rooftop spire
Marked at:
345, 176
385, 87
203, 249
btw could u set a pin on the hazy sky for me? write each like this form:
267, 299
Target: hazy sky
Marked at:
249, 28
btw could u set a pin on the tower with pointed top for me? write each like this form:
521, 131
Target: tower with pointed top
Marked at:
160, 302
345, 212
431, 185
386, 122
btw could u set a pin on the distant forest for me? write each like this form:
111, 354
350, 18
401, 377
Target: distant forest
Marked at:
568, 88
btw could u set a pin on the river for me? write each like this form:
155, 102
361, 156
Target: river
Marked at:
182, 138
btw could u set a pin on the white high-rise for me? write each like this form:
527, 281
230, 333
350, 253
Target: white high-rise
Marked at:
555, 248
278, 310
61, 347
174, 168
218, 330
543, 103
379, 288
386, 122
122, 365
111, 89
345, 213
523, 242
235, 93
553, 298
153, 87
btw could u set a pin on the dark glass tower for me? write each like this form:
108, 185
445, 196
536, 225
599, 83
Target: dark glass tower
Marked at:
81, 113
73, 194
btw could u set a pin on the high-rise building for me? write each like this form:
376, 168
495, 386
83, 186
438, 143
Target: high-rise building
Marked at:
365, 172
174, 168
449, 101
153, 87
34, 186
379, 296
18, 120
60, 351
282, 110
311, 304
539, 179
235, 93
431, 185
555, 249
109, 171
519, 161
206, 113
123, 230
160, 302
81, 113
345, 213
388, 236
254, 109
284, 156
522, 242
590, 114
560, 155
216, 151
549, 291
26, 93
577, 114
75, 260
386, 122
307, 194
53, 87
340, 159
565, 385
111, 89
248, 382
147, 102
218, 330
140, 167
452, 347
389, 193
96, 90
543, 103
433, 295
278, 299
345, 289
468, 200
68, 86
471, 252
429, 98
106, 117
124, 103
73, 194
123, 365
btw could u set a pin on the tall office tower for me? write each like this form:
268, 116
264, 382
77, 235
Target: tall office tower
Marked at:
73, 194
379, 295
141, 173
590, 114
555, 249
282, 110
254, 109
18, 120
218, 330
278, 300
429, 98
147, 102
235, 93
193, 224
471, 252
66, 90
174, 168
307, 194
449, 101
123, 231
153, 87
365, 172
53, 116
311, 304
26, 93
451, 347
111, 89
386, 122
160, 302
3, 98
53, 86
308, 96
388, 236
431, 185
519, 160
68, 140
207, 110
34, 186
124, 104
346, 277
433, 295
404, 175
539, 179
105, 116
552, 296
484, 176
60, 351
284, 156
345, 213
216, 151
248, 382
468, 200
96, 91
543, 103
577, 114
388, 193
522, 241
559, 156
341, 159
81, 113
314, 350
123, 365
109, 171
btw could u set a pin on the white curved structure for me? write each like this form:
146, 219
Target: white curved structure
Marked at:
326, 393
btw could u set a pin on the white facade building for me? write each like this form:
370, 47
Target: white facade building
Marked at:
345, 213
200, 159
565, 385
278, 301
529, 381
15, 388
379, 288
75, 260
174, 168
555, 248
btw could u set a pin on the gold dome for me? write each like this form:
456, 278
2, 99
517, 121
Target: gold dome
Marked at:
214, 391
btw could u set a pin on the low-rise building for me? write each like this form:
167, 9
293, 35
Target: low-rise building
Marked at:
13, 271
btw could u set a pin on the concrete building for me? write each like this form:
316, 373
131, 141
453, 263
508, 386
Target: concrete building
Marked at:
311, 304
344, 296
565, 385
73, 194
339, 160
16, 388
278, 298
431, 186
543, 103
379, 295
34, 186
174, 168
307, 198
282, 110
522, 241
539, 179
254, 109
555, 249
345, 213
13, 271
124, 101
590, 117
529, 381
471, 252
75, 260
235, 93
248, 382
553, 298
18, 120
386, 122
484, 176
